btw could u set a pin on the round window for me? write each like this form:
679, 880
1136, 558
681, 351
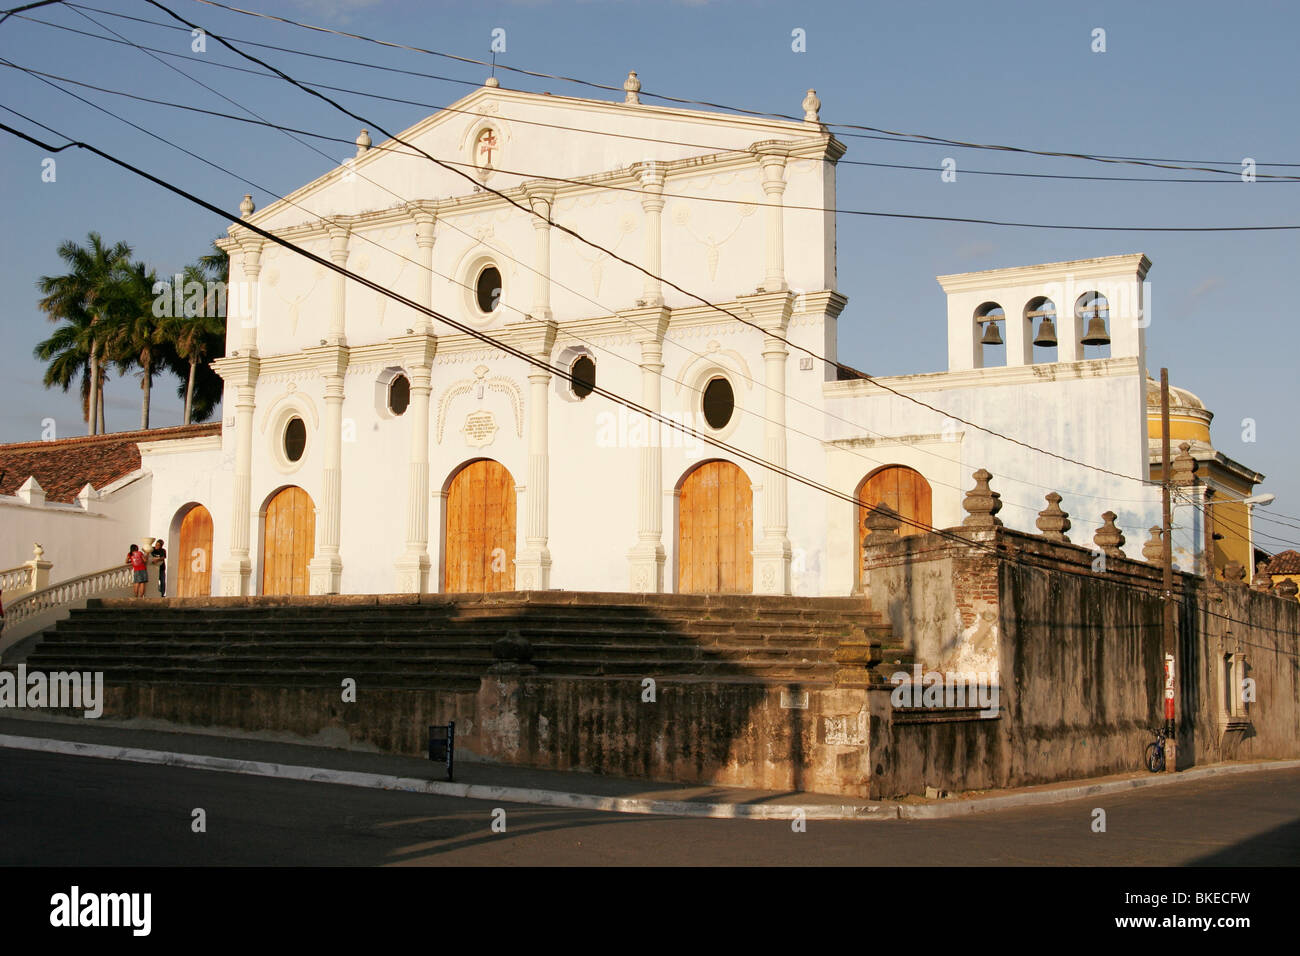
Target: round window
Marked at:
487, 291
584, 376
399, 395
295, 439
719, 403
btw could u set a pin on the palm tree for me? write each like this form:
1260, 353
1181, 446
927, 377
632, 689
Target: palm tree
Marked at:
136, 337
81, 297
68, 353
196, 339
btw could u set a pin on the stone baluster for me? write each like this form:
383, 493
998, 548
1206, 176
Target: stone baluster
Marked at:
1052, 521
1153, 551
1108, 538
982, 503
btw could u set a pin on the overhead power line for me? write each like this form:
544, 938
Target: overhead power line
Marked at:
893, 134
1229, 176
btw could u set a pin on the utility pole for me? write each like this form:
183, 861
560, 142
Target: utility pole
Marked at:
1167, 555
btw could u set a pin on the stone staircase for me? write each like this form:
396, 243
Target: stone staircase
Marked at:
449, 642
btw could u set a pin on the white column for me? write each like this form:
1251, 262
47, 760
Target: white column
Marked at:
541, 205
774, 189
1020, 333
240, 370
652, 202
533, 564
424, 225
646, 559
773, 554
326, 569
417, 352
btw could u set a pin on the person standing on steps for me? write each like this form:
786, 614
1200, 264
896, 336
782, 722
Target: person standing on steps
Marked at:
135, 557
158, 556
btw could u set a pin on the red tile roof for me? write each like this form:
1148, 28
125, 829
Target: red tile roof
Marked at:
1287, 562
63, 467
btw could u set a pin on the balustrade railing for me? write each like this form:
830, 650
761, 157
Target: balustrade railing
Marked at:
66, 592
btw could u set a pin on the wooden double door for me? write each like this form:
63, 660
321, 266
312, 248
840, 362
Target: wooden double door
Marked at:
288, 542
480, 529
190, 564
715, 531
905, 491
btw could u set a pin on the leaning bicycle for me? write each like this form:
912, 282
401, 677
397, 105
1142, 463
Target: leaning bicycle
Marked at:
1155, 753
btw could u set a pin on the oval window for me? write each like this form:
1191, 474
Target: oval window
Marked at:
487, 291
584, 376
719, 402
295, 439
399, 395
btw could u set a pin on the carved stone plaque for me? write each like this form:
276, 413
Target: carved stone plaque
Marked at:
480, 429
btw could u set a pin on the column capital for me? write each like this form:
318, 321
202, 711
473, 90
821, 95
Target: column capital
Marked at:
646, 324
239, 369
250, 256
540, 198
416, 348
331, 360
769, 310
534, 336
339, 243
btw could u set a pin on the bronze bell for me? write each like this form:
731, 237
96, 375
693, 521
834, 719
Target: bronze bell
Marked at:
1046, 334
991, 334
1096, 334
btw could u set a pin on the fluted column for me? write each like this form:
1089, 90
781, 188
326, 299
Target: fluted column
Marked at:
326, 568
772, 556
417, 352
541, 205
533, 560
240, 371
646, 559
774, 189
652, 202
424, 238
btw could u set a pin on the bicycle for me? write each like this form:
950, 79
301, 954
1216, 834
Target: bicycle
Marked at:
1155, 752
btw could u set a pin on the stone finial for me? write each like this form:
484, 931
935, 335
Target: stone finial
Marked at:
37, 551
1234, 574
246, 207
1108, 537
811, 106
982, 504
1286, 588
492, 82
363, 142
1153, 552
1263, 580
883, 523
1182, 470
1052, 521
631, 88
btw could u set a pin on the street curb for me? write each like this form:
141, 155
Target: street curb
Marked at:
638, 805
377, 781
936, 811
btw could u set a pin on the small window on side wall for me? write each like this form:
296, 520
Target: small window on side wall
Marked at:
583, 373
399, 395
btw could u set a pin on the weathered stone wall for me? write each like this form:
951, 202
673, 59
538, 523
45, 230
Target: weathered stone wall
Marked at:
1079, 661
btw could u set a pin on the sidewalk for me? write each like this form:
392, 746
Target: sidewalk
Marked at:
275, 755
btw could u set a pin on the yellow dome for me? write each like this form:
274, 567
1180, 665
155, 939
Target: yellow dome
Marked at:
1189, 419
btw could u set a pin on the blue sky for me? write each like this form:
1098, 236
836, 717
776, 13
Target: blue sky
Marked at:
1189, 81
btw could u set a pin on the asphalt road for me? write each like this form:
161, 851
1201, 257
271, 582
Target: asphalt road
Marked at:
77, 811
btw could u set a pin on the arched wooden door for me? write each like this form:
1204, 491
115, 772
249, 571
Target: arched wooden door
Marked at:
904, 490
480, 535
288, 541
193, 560
715, 531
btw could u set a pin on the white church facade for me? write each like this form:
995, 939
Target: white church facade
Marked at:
368, 448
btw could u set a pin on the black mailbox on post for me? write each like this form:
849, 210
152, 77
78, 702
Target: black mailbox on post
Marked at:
442, 744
